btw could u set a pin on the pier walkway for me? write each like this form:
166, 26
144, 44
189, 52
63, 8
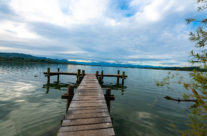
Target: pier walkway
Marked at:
87, 114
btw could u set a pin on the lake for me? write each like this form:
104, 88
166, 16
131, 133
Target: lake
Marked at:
139, 109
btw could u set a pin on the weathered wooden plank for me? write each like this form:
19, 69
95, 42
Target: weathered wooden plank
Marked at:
96, 132
88, 108
77, 104
84, 111
90, 94
77, 122
86, 103
84, 98
90, 97
88, 87
88, 113
86, 127
89, 90
90, 101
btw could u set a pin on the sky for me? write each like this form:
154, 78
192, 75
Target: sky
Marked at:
141, 32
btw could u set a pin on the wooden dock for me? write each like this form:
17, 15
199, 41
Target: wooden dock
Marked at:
80, 75
88, 114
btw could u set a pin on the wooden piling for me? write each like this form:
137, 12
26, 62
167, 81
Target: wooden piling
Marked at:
78, 76
58, 76
82, 76
107, 97
83, 73
70, 94
117, 81
108, 91
100, 80
123, 77
48, 76
97, 74
102, 73
78, 72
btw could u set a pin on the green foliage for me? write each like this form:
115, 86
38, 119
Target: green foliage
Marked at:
198, 86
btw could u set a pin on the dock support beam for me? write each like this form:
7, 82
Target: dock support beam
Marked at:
117, 81
69, 96
48, 76
101, 77
82, 76
83, 73
108, 98
123, 77
108, 94
99, 80
78, 76
58, 76
97, 74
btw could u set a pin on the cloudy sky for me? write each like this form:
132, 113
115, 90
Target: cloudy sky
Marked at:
146, 32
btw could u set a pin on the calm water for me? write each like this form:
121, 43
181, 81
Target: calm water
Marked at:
27, 109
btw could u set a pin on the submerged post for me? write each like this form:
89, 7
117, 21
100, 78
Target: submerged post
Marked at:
123, 77
58, 76
70, 94
117, 81
48, 76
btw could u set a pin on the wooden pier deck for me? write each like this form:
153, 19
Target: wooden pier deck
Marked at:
88, 114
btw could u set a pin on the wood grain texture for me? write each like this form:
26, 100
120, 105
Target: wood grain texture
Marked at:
96, 132
88, 114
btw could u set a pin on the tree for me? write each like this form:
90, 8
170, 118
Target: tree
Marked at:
198, 86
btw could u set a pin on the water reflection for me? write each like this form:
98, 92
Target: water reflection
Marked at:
35, 113
59, 85
18, 88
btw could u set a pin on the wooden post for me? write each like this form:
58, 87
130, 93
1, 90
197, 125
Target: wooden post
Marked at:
100, 80
117, 81
123, 77
70, 92
48, 76
102, 76
108, 99
78, 76
83, 73
82, 76
78, 72
47, 89
58, 76
102, 72
97, 74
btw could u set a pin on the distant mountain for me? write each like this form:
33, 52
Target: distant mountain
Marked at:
20, 57
135, 66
